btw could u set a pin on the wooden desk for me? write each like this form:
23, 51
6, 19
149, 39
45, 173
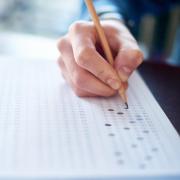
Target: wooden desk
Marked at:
164, 82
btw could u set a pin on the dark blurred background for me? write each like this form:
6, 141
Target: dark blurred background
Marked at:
158, 36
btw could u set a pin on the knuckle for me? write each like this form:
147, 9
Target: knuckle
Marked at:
100, 73
61, 43
83, 55
76, 26
135, 57
104, 75
79, 79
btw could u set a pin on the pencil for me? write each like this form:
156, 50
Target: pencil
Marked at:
104, 43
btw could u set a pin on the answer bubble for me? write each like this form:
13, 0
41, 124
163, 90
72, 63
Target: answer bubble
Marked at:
120, 113
132, 122
148, 157
154, 149
134, 145
107, 124
117, 153
111, 134
146, 131
120, 162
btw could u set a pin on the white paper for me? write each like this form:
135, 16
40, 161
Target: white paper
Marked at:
48, 132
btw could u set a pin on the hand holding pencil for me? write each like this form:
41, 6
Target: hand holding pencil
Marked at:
84, 66
105, 44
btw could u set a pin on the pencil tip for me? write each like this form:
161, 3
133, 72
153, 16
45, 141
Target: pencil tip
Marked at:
127, 106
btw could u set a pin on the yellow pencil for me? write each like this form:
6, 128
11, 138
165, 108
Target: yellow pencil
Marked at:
104, 43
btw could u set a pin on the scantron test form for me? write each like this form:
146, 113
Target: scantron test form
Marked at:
47, 132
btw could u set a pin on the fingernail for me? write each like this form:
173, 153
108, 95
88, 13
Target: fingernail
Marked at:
124, 73
126, 69
122, 76
113, 83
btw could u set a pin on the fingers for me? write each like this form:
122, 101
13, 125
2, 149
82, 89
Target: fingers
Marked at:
87, 72
79, 77
83, 39
127, 61
79, 92
129, 55
125, 84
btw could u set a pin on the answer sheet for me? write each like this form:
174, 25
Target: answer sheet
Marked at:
47, 132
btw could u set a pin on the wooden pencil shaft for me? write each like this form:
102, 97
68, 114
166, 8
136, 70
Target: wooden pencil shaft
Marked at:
100, 31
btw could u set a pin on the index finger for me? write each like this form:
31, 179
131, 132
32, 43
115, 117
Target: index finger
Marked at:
83, 44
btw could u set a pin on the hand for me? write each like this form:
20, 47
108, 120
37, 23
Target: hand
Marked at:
82, 62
